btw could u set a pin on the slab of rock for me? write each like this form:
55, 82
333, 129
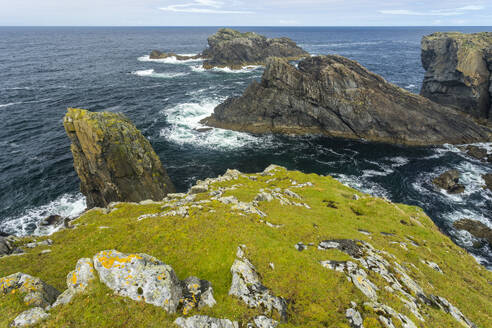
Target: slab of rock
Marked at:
230, 48
457, 72
247, 286
338, 97
476, 228
449, 181
113, 159
37, 292
202, 321
29, 317
77, 281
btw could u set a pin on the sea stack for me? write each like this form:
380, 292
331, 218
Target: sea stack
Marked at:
458, 71
338, 97
113, 160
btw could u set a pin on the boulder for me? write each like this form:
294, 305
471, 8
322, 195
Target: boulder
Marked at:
338, 97
458, 71
230, 48
202, 321
142, 277
488, 180
37, 292
5, 247
476, 152
113, 159
475, 228
77, 280
30, 317
449, 181
247, 286
262, 321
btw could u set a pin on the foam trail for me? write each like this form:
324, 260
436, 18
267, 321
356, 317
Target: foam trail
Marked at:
67, 205
169, 60
9, 104
247, 69
185, 120
152, 73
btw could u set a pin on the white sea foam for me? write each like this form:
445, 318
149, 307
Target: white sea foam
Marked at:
185, 120
152, 73
9, 104
170, 60
398, 161
68, 205
247, 69
363, 185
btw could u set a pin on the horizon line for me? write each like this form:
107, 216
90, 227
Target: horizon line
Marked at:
246, 26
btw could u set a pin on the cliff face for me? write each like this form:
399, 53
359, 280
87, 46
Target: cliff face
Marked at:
275, 247
338, 97
235, 49
458, 71
113, 159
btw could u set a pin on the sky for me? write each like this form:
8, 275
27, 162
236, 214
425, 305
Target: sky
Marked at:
245, 13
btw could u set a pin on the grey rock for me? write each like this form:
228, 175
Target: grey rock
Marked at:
300, 246
354, 317
449, 181
264, 197
432, 265
47, 242
455, 312
200, 188
30, 317
338, 97
77, 280
37, 292
262, 321
476, 228
5, 247
196, 294
202, 321
247, 286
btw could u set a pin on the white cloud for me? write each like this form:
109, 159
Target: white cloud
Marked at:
203, 7
440, 12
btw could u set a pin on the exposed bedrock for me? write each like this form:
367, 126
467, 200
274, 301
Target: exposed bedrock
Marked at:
113, 159
458, 71
338, 97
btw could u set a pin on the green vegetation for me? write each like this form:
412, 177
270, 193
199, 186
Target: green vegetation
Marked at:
204, 245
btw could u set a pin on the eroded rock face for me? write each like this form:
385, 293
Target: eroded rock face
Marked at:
458, 71
113, 159
37, 292
338, 97
230, 48
449, 181
247, 286
476, 228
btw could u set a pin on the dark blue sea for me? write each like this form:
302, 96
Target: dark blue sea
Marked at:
45, 70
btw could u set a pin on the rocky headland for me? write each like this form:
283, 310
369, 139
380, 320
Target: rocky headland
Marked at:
113, 159
235, 50
335, 96
458, 71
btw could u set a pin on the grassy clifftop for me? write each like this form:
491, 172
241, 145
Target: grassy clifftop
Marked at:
198, 235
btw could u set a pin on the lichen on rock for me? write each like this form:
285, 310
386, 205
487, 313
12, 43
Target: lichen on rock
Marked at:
113, 159
36, 292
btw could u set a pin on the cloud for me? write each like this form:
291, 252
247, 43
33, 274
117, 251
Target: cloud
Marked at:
440, 12
202, 7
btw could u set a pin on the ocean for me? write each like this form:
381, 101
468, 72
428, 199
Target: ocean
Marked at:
44, 70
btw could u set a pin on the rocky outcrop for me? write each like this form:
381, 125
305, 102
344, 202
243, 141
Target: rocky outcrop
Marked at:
142, 277
475, 228
338, 97
77, 281
458, 71
477, 153
449, 181
113, 159
30, 317
230, 48
36, 292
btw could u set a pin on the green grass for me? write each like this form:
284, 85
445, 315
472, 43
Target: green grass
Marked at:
204, 245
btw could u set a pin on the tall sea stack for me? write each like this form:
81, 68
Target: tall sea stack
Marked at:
113, 159
458, 71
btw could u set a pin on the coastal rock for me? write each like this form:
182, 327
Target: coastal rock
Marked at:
247, 286
458, 71
202, 321
37, 292
113, 159
488, 180
77, 280
449, 181
5, 247
30, 317
230, 48
476, 152
338, 97
476, 228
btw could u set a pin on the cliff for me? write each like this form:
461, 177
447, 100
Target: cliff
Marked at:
113, 159
338, 97
458, 71
277, 248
